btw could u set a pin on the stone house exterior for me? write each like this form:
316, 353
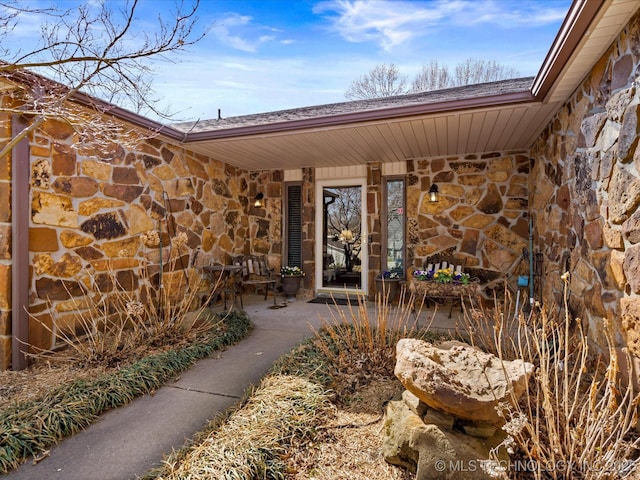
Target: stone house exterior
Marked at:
546, 165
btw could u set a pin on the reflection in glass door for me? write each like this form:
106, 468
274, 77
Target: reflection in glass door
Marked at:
394, 229
342, 238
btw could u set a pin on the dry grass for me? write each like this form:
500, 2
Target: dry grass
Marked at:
358, 347
349, 444
353, 355
252, 443
68, 404
112, 322
39, 379
577, 419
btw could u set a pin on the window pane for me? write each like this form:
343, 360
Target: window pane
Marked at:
395, 226
342, 246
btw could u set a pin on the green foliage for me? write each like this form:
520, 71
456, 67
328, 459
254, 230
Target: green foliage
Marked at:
28, 428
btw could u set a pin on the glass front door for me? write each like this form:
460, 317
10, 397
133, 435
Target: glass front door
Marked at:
343, 238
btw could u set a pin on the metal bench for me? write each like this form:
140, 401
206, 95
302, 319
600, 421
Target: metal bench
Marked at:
256, 273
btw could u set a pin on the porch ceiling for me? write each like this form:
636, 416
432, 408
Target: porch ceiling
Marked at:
512, 127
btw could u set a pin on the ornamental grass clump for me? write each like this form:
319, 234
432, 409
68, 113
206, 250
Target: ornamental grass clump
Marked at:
250, 444
358, 346
112, 319
29, 428
577, 419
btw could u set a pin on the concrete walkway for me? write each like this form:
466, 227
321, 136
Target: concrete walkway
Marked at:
127, 442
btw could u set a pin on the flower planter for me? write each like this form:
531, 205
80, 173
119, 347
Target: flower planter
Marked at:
390, 287
429, 288
290, 284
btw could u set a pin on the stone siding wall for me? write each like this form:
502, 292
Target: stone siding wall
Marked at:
586, 193
265, 224
110, 213
5, 246
481, 214
374, 223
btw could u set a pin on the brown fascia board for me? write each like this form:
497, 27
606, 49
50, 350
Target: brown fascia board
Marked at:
128, 116
511, 98
575, 25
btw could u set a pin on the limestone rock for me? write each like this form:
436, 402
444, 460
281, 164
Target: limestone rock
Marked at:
104, 226
491, 203
461, 381
626, 188
76, 186
414, 403
630, 265
126, 193
51, 209
591, 126
630, 315
138, 220
97, 170
89, 207
432, 453
628, 139
71, 239
631, 228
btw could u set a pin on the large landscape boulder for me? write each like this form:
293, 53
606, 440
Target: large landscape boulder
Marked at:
459, 379
433, 452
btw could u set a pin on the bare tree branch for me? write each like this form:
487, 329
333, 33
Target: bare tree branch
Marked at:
381, 81
474, 71
433, 76
92, 49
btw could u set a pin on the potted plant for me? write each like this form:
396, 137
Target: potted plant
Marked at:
291, 279
388, 283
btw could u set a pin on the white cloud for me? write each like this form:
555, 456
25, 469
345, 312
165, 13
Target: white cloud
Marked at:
229, 31
391, 23
240, 86
510, 14
385, 22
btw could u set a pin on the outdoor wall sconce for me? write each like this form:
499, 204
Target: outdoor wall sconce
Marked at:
258, 202
433, 193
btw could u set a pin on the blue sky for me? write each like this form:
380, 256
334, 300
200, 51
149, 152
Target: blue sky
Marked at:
266, 55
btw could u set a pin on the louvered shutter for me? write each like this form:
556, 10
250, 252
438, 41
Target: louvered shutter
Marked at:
294, 225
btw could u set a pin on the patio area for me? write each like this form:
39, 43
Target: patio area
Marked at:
302, 317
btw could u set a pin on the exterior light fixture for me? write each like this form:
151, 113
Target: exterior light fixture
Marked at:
258, 202
433, 193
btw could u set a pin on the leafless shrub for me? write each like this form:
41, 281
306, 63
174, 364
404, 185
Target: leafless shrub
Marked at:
358, 347
113, 321
577, 418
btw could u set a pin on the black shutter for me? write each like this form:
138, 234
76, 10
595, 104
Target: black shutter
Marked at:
294, 225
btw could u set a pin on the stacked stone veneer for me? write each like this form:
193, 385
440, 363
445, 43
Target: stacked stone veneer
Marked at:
94, 212
586, 194
5, 248
481, 214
